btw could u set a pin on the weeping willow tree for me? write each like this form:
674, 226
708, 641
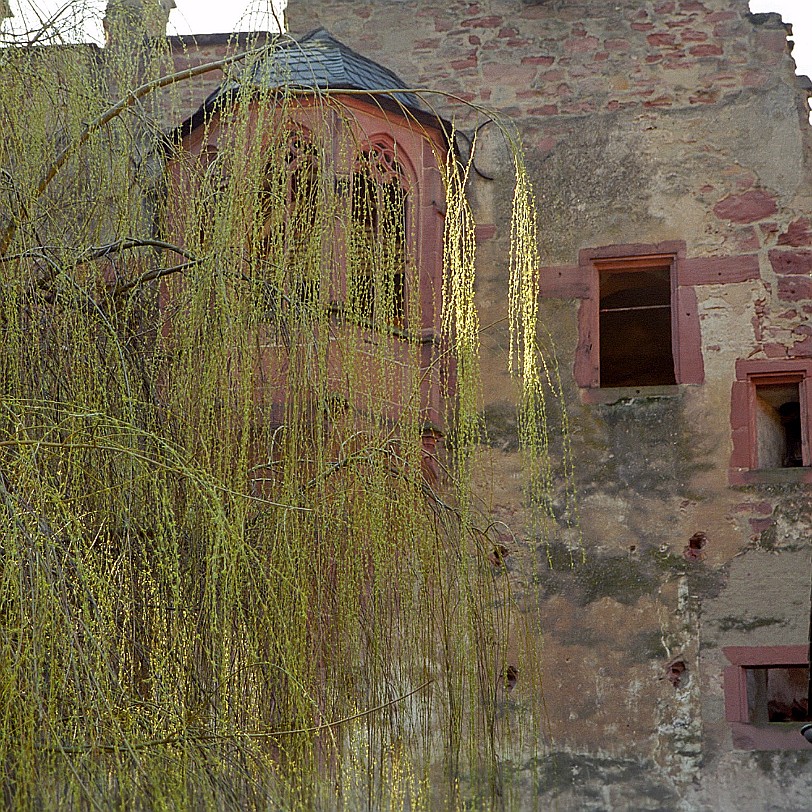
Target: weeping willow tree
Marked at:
234, 572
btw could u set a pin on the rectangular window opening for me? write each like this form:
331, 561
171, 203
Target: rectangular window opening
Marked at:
768, 696
635, 327
779, 430
777, 694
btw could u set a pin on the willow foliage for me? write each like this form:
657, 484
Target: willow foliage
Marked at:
225, 580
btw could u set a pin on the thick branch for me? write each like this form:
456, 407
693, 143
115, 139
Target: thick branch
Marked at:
151, 276
131, 242
208, 737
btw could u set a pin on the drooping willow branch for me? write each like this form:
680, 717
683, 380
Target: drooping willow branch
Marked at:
116, 110
257, 735
217, 528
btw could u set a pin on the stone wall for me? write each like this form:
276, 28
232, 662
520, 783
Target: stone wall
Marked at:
644, 123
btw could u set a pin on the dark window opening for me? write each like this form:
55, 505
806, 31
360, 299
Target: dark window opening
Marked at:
212, 185
377, 242
635, 327
778, 425
778, 694
290, 206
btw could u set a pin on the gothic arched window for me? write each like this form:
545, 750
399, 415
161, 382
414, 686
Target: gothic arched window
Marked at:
290, 211
377, 239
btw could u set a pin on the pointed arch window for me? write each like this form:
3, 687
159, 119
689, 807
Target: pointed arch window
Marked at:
213, 182
377, 238
290, 206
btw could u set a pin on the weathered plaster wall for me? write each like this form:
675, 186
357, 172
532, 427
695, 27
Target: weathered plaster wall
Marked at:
644, 122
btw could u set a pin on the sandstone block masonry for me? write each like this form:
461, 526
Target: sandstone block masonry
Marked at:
653, 125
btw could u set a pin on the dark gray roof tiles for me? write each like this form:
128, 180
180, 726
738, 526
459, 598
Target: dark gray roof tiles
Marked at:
318, 61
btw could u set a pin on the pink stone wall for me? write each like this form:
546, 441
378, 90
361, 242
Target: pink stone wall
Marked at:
645, 123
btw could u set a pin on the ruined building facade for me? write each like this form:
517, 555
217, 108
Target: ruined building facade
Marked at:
669, 146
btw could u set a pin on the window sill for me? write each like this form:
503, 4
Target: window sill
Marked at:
747, 735
770, 476
776, 736
616, 394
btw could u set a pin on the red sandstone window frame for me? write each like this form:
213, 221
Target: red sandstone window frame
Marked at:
748, 736
685, 332
750, 375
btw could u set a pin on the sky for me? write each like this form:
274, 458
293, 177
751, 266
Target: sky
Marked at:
210, 16
189, 16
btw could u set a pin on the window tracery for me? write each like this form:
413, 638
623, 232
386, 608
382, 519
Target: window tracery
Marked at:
377, 239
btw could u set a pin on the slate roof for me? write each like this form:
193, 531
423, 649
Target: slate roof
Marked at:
318, 61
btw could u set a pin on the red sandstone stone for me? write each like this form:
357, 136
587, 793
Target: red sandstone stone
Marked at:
799, 233
718, 270
580, 107
706, 50
661, 39
727, 30
721, 16
773, 350
746, 207
675, 62
791, 262
544, 110
803, 347
486, 22
794, 288
692, 35
537, 60
470, 61
642, 26
739, 413
564, 282
758, 526
484, 231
